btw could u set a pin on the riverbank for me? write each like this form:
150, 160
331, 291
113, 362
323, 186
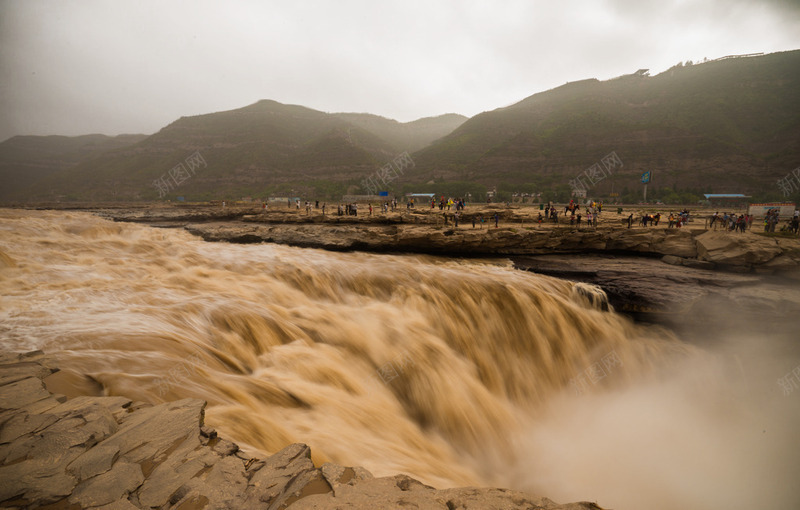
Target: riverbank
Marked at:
657, 274
115, 454
504, 231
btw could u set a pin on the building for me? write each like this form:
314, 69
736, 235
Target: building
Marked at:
729, 200
420, 198
785, 209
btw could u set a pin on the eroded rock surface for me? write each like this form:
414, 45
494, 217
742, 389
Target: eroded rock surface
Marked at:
114, 454
678, 292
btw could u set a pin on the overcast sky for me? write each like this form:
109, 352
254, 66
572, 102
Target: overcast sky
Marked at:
75, 67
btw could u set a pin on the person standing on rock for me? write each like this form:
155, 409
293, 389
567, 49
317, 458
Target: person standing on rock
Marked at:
630, 221
455, 218
496, 220
473, 221
741, 223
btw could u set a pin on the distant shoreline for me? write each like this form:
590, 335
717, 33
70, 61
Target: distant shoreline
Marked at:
430, 231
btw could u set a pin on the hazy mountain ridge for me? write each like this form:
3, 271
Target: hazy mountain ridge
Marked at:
24, 160
732, 125
259, 149
723, 126
410, 136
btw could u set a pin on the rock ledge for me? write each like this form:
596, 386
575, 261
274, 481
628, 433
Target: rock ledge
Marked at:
115, 454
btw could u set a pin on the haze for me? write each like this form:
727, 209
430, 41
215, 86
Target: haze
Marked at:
77, 67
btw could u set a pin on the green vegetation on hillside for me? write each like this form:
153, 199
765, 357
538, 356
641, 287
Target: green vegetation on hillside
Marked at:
263, 149
726, 126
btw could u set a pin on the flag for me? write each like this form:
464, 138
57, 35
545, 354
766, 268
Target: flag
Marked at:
645, 177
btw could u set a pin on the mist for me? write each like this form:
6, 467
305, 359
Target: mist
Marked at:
80, 67
707, 431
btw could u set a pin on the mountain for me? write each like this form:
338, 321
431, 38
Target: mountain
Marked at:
725, 126
26, 160
265, 148
731, 125
409, 136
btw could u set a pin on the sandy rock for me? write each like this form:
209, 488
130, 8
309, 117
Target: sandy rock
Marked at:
337, 475
121, 480
147, 434
711, 249
675, 242
94, 462
36, 480
24, 423
120, 504
378, 493
672, 260
271, 477
404, 492
306, 484
21, 393
168, 477
629, 240
111, 453
698, 264
22, 370
224, 484
731, 249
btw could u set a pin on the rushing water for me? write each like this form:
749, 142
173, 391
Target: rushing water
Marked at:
456, 372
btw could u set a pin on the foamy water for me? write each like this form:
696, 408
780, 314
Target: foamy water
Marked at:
455, 372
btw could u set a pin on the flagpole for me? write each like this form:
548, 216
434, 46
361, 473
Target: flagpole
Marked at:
646, 177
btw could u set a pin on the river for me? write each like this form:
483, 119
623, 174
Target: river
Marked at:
456, 372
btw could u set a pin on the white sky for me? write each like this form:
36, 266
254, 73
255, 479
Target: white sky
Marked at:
75, 67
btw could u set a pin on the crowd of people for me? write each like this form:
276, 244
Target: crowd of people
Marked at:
573, 211
574, 214
732, 222
740, 223
458, 203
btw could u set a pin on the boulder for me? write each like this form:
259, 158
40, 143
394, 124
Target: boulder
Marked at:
734, 249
